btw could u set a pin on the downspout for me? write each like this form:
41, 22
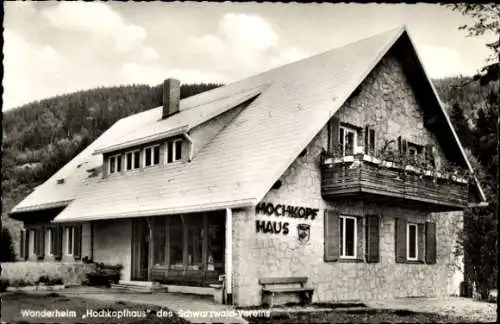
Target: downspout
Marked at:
191, 146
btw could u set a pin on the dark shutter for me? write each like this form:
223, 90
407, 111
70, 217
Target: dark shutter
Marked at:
429, 156
402, 146
372, 141
22, 242
421, 242
366, 134
77, 242
400, 240
334, 135
27, 245
331, 235
41, 243
372, 239
58, 232
430, 243
359, 238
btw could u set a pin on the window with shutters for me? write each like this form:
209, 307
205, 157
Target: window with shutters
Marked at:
48, 241
31, 243
412, 242
70, 237
348, 139
369, 135
348, 236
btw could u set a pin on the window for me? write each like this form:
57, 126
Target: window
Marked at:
412, 242
348, 237
151, 155
132, 160
369, 140
31, 243
347, 140
174, 151
48, 241
115, 164
70, 236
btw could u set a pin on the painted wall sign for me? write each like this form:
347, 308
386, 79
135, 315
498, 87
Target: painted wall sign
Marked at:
286, 210
271, 227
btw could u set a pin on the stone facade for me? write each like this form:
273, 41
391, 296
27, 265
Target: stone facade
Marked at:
387, 102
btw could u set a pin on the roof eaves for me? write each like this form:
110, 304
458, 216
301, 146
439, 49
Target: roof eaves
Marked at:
244, 203
40, 207
142, 140
448, 121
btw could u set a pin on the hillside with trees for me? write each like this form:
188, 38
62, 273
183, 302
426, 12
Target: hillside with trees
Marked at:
41, 137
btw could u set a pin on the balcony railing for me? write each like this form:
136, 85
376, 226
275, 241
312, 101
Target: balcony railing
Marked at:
364, 176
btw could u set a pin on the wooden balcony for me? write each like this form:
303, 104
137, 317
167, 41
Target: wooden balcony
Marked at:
368, 180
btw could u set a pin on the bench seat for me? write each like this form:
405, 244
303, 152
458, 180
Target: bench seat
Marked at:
283, 290
273, 286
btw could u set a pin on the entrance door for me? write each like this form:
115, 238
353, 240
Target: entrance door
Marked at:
140, 249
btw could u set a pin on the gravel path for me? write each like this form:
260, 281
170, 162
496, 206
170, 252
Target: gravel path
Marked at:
466, 308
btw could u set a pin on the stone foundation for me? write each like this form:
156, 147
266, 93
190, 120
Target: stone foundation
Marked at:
71, 273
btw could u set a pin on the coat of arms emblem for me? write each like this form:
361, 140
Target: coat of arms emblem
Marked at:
304, 231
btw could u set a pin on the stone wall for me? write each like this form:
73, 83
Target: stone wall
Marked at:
113, 244
266, 255
72, 273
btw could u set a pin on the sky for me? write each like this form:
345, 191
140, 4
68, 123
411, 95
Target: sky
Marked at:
52, 48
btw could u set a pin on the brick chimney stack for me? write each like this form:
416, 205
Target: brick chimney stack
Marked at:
171, 97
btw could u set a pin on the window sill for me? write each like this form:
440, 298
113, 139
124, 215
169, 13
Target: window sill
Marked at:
414, 262
350, 260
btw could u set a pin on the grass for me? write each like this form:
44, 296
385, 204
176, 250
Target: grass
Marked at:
14, 304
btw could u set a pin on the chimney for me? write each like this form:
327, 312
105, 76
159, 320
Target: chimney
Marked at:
171, 97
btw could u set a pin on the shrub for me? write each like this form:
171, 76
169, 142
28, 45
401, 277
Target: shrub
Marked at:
7, 253
4, 283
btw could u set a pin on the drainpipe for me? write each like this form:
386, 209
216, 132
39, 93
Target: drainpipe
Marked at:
191, 146
228, 264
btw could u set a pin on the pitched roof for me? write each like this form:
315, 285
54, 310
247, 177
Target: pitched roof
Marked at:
239, 166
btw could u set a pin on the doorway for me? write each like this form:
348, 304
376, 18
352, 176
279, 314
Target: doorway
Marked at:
140, 249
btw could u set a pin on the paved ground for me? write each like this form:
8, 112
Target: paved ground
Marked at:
193, 308
465, 308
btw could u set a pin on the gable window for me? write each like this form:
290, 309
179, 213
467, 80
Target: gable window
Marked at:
151, 155
412, 242
174, 151
132, 160
115, 164
70, 236
348, 236
348, 137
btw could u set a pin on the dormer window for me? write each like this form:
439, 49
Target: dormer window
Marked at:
115, 164
133, 160
174, 151
152, 155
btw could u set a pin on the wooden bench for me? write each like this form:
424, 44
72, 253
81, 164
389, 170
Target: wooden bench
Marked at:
269, 288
